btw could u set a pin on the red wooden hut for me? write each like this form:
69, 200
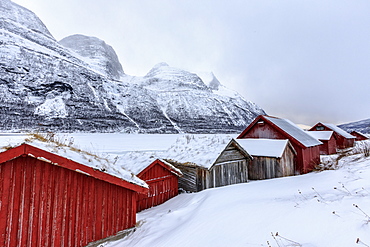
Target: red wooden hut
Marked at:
307, 147
359, 136
49, 200
344, 139
328, 138
163, 181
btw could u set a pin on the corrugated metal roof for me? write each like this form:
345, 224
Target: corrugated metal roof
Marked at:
263, 147
339, 131
321, 135
293, 130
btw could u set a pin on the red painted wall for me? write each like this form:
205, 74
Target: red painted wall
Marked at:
341, 141
307, 158
163, 185
329, 146
47, 205
359, 136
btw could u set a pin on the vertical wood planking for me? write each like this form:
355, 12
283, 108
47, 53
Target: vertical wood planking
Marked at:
47, 205
161, 188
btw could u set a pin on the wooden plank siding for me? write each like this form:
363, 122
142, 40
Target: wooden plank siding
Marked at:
230, 167
328, 146
202, 180
307, 157
341, 141
227, 173
193, 178
359, 136
163, 185
271, 167
43, 204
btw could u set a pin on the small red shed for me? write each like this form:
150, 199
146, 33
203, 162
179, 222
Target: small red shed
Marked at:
163, 181
328, 138
49, 200
307, 147
343, 138
359, 136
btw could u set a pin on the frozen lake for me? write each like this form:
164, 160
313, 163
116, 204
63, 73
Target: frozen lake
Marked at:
113, 143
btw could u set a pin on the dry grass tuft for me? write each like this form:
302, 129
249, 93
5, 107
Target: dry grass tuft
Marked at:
361, 149
63, 142
7, 147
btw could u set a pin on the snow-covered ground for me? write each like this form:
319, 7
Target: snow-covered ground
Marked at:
329, 208
323, 209
117, 143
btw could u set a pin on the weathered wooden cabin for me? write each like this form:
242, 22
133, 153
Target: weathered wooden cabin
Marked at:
328, 138
271, 158
359, 136
307, 147
194, 177
211, 163
343, 138
163, 180
49, 200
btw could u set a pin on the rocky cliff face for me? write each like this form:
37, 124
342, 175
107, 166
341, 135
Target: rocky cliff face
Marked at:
79, 85
96, 53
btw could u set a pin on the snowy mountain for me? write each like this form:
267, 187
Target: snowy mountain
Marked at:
362, 126
78, 84
100, 55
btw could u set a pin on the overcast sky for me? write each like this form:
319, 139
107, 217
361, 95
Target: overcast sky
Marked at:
305, 60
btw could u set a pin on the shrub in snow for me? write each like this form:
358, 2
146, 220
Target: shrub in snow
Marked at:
362, 147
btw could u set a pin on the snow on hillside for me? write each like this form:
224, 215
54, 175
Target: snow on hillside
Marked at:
329, 208
362, 126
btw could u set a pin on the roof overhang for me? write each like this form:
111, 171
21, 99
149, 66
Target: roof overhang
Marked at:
165, 164
287, 135
25, 150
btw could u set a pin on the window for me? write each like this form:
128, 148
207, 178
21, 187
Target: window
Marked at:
320, 127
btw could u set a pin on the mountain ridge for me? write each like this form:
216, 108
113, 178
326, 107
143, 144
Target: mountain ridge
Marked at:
78, 84
362, 126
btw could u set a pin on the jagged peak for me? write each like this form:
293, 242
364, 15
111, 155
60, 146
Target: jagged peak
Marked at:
210, 80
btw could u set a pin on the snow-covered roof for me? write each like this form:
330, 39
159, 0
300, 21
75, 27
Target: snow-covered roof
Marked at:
321, 135
263, 147
137, 161
174, 169
357, 133
339, 130
199, 150
294, 131
104, 164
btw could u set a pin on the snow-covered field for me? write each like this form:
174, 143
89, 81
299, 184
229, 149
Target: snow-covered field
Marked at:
323, 209
329, 208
